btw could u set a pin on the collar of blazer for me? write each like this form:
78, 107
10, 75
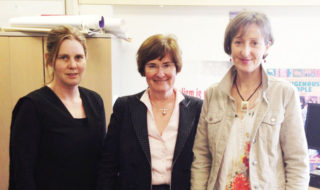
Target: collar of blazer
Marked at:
139, 120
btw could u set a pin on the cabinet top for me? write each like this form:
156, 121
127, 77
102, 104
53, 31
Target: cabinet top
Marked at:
37, 34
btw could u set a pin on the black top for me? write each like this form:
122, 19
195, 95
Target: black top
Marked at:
51, 150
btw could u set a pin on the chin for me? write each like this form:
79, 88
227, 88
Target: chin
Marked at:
160, 90
76, 83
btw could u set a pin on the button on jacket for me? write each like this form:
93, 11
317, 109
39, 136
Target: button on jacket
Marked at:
279, 155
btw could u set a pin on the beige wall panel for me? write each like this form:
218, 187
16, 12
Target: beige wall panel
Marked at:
26, 65
21, 71
98, 71
6, 108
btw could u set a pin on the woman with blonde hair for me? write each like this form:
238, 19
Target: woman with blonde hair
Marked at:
57, 131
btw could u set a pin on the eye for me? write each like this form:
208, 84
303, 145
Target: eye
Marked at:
166, 65
79, 57
63, 57
255, 43
237, 42
152, 66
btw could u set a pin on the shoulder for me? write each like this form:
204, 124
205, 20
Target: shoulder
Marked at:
212, 88
89, 93
212, 91
36, 97
279, 84
193, 100
31, 101
36, 94
129, 98
91, 97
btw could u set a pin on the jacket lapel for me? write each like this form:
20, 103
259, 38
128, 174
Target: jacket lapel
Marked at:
186, 122
139, 122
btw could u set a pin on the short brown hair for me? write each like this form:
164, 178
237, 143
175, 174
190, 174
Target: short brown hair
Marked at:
157, 46
55, 38
241, 22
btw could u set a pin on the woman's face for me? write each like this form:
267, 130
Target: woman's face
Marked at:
160, 74
248, 48
70, 63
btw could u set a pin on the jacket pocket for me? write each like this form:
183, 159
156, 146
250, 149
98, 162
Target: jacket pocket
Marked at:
270, 128
214, 126
273, 118
214, 118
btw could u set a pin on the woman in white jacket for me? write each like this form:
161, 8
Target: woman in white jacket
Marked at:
250, 134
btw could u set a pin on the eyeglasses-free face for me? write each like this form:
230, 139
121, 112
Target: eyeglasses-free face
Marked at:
70, 64
161, 74
247, 49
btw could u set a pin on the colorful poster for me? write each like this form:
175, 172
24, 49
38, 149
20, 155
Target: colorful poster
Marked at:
307, 82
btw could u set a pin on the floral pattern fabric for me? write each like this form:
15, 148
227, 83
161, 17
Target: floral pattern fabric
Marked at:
234, 169
240, 178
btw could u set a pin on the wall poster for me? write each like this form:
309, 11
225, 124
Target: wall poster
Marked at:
307, 81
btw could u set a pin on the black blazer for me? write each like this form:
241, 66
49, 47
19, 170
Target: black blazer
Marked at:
126, 160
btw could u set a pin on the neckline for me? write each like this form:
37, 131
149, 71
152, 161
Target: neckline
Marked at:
54, 96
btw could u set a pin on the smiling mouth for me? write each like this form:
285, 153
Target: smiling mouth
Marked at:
245, 60
72, 74
160, 80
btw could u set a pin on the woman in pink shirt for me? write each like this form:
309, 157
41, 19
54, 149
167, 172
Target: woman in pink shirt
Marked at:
150, 135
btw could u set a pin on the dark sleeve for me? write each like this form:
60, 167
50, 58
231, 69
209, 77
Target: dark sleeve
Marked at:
109, 163
24, 145
103, 116
198, 105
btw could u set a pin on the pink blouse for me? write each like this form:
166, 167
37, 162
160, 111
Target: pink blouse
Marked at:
162, 146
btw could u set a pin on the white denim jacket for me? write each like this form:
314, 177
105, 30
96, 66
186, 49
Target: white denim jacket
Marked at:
279, 154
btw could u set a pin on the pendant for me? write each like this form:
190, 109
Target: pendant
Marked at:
164, 111
244, 106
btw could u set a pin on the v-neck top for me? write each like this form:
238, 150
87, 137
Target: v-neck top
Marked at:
49, 149
162, 146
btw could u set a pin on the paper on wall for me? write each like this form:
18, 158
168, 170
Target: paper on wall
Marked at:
86, 23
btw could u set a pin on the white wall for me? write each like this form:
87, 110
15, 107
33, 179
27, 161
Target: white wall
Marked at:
15, 8
200, 32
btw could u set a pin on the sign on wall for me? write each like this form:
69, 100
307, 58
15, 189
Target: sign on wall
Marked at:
307, 82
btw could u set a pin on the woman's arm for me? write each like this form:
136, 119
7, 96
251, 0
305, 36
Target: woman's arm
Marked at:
201, 164
109, 163
294, 145
24, 145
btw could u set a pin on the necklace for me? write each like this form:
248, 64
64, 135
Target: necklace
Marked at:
164, 111
245, 103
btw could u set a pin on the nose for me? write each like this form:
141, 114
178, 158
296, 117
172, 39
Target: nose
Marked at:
245, 50
160, 71
72, 63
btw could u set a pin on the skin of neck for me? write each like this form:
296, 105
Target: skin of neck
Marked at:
155, 96
63, 91
247, 81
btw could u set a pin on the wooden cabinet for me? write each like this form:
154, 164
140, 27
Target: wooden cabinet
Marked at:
22, 70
